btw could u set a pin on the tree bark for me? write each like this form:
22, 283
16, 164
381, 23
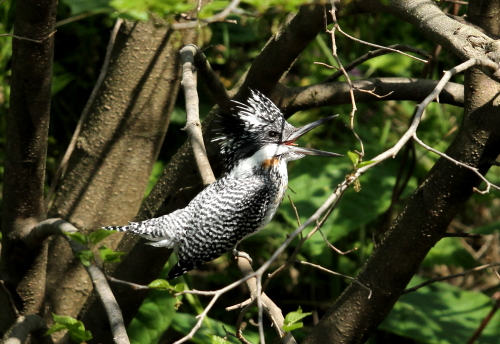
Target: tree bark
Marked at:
26, 148
423, 222
117, 148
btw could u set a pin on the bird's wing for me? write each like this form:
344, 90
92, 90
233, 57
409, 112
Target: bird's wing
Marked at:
222, 215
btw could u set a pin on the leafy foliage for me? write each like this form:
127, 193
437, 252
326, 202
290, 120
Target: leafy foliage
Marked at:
441, 313
293, 320
75, 328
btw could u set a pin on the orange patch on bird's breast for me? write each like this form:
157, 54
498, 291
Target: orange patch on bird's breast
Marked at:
268, 163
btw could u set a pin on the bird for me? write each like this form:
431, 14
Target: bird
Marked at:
256, 142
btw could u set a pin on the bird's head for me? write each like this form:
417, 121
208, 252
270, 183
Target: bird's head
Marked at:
257, 135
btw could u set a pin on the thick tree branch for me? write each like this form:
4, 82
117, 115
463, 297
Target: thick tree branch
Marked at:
463, 40
336, 93
25, 325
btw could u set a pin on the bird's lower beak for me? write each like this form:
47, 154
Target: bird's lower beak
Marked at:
303, 130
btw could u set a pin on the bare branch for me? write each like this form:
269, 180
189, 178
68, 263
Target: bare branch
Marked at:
221, 16
463, 235
59, 226
341, 67
420, 108
271, 309
10, 300
335, 93
319, 267
41, 40
375, 53
443, 278
473, 169
30, 324
193, 125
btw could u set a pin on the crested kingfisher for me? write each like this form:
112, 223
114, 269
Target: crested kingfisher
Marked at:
257, 143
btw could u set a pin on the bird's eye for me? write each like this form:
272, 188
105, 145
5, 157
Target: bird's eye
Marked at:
273, 134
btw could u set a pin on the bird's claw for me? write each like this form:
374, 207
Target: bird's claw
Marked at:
242, 254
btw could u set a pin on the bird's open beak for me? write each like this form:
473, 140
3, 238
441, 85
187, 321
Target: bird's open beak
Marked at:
305, 129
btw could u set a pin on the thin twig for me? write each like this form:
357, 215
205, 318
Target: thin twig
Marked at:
71, 147
221, 16
319, 267
421, 107
462, 235
443, 278
11, 301
473, 169
344, 72
333, 247
41, 40
81, 16
372, 92
375, 53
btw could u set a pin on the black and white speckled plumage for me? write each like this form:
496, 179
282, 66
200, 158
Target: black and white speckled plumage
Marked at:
257, 143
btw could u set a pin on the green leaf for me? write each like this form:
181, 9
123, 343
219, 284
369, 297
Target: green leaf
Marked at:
78, 237
55, 328
85, 256
153, 318
100, 235
110, 256
354, 157
75, 328
364, 163
179, 287
293, 317
291, 327
160, 284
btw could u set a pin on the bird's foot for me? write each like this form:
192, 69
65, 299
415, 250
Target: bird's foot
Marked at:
242, 254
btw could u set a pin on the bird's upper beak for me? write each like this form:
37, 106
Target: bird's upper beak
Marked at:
305, 129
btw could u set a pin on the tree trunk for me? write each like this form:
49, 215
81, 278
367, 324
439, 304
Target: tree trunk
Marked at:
26, 148
117, 148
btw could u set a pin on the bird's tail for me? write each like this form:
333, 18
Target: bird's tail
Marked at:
180, 269
158, 230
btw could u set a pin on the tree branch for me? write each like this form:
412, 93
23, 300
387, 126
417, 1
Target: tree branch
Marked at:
25, 325
193, 125
335, 93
